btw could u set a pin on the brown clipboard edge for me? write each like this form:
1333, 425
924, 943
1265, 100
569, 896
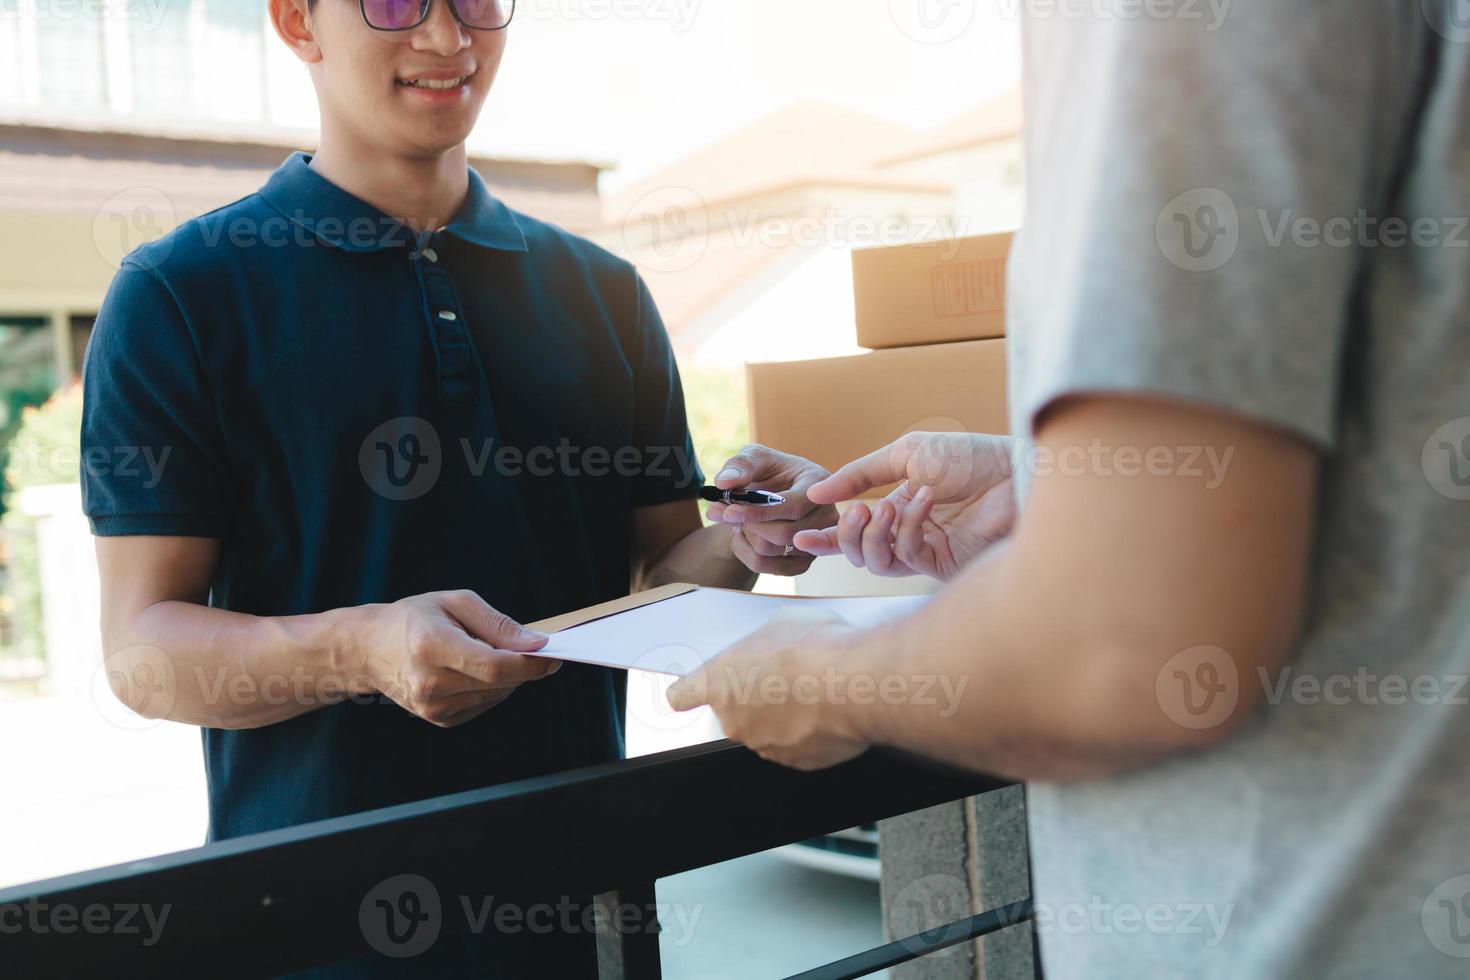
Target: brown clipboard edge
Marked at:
638, 600
603, 610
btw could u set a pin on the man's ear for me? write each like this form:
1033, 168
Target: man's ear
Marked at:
293, 24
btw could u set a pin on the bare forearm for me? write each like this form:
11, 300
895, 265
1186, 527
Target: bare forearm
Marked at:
702, 557
212, 667
982, 678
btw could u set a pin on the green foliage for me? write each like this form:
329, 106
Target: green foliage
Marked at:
715, 399
46, 449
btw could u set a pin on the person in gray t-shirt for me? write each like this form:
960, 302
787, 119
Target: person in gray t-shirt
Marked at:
1214, 602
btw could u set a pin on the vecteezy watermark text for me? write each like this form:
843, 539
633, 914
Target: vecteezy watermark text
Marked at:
402, 917
64, 918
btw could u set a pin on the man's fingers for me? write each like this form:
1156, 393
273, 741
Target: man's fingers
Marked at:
504, 669
908, 539
819, 542
689, 692
494, 668
782, 533
748, 466
877, 544
850, 532
795, 507
877, 469
778, 564
451, 712
762, 545
488, 624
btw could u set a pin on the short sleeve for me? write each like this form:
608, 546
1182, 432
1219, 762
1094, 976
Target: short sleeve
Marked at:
153, 459
660, 423
1202, 200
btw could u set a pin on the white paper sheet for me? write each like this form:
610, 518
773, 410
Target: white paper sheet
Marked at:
676, 635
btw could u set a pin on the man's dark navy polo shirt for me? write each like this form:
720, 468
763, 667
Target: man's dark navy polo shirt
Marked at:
360, 416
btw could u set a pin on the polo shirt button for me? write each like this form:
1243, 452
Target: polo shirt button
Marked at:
430, 254
447, 315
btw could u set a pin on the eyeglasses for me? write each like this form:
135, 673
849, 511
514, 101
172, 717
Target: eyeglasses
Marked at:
405, 15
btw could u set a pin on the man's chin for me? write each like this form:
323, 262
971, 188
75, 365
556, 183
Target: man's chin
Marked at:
435, 140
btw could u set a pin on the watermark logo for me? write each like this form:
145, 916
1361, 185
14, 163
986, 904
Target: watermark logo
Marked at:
1198, 688
135, 687
401, 916
1096, 917
1450, 19
1446, 917
648, 703
667, 230
144, 921
1210, 14
1446, 459
131, 218
929, 911
401, 459
1362, 686
143, 15
678, 14
932, 21
1199, 230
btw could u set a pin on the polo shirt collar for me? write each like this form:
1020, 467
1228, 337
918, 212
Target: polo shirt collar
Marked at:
339, 219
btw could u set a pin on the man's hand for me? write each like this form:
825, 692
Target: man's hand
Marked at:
763, 537
771, 691
447, 657
956, 501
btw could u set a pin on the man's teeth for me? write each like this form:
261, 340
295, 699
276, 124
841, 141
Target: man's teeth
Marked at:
448, 83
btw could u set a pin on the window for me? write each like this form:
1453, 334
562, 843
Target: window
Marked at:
175, 59
71, 59
201, 59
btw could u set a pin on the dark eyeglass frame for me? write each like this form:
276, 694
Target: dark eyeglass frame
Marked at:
425, 6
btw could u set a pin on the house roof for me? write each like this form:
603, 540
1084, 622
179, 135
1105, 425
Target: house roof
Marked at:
794, 164
64, 169
997, 119
808, 141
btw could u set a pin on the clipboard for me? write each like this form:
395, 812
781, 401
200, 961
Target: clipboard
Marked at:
676, 628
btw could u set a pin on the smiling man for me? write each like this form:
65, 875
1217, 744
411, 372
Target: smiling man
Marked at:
400, 420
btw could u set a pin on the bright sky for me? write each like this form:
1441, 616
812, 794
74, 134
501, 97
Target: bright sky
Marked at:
641, 82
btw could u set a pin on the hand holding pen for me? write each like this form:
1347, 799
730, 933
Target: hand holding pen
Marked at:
761, 494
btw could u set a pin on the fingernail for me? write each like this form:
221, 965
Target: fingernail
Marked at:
676, 694
729, 473
531, 636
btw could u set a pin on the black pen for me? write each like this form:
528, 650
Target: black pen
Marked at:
759, 498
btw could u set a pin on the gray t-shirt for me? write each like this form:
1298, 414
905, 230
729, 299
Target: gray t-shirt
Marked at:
1209, 198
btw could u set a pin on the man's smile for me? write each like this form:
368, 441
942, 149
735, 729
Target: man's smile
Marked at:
438, 84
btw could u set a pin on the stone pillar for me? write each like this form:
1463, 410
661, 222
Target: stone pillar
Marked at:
953, 861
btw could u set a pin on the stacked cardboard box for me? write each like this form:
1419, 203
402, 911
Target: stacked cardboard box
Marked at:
933, 318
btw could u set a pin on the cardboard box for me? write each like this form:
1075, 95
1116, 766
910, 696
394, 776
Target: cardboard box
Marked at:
931, 293
835, 410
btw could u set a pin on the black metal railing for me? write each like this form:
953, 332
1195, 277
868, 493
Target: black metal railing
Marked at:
290, 899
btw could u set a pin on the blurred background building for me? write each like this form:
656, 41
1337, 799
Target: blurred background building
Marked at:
761, 159
118, 124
